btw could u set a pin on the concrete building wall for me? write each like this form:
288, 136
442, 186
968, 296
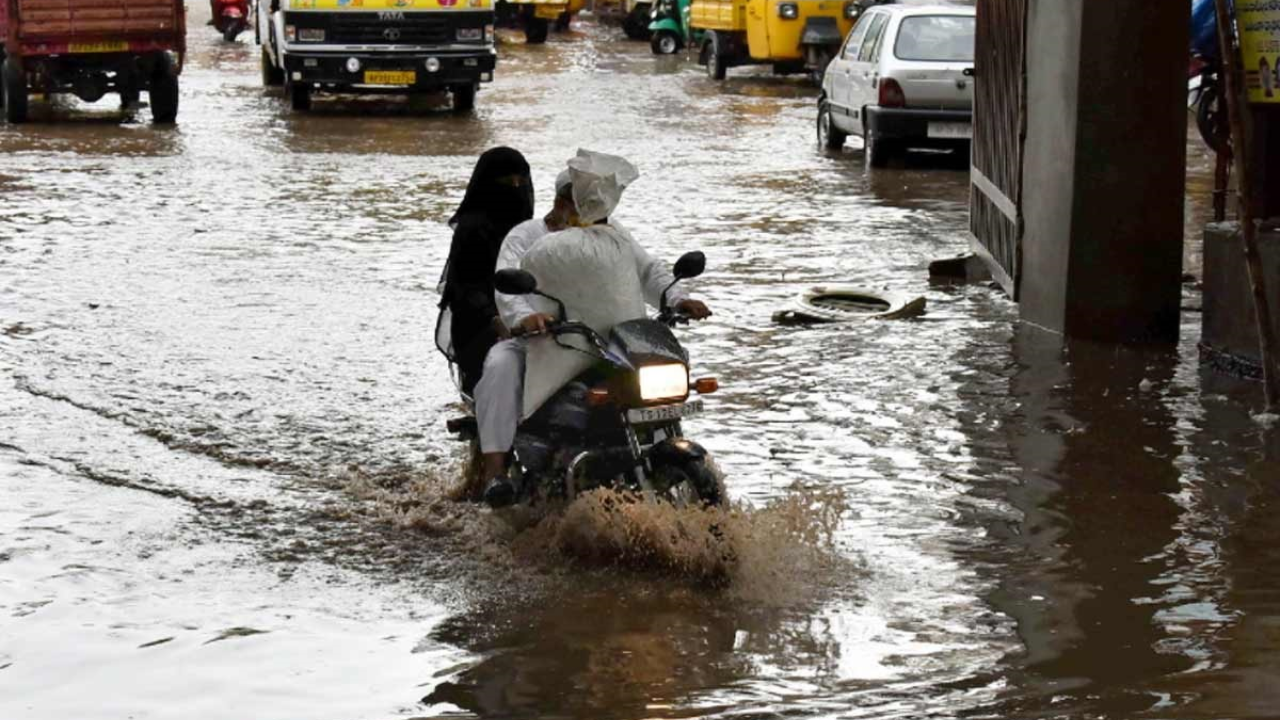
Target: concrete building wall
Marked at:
1105, 168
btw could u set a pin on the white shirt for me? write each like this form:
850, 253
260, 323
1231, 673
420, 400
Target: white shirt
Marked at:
654, 274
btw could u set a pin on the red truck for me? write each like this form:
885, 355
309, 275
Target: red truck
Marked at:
90, 48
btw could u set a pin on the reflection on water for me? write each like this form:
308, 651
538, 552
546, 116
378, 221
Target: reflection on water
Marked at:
221, 418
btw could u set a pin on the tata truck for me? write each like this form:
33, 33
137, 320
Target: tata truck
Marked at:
377, 46
89, 48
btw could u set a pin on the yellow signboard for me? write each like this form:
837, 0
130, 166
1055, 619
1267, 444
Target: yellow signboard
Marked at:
393, 5
1259, 22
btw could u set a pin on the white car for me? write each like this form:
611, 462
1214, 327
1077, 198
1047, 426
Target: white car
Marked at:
903, 78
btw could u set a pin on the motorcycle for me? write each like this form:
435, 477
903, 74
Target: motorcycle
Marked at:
230, 17
617, 425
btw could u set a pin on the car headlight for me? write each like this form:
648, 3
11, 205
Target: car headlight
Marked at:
474, 34
664, 382
788, 11
311, 35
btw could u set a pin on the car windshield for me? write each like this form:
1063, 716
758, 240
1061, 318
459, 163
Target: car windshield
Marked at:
936, 38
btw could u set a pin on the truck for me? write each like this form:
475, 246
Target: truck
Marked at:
377, 46
90, 48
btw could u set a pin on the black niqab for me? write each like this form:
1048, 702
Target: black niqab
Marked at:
500, 204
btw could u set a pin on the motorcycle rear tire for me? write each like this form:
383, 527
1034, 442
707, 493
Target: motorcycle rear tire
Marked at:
232, 32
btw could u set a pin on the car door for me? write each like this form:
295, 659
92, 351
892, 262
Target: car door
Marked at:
863, 71
836, 80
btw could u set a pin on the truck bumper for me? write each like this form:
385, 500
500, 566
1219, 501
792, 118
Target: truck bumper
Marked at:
330, 68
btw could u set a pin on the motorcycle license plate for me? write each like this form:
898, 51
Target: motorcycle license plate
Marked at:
548, 12
664, 413
390, 77
105, 46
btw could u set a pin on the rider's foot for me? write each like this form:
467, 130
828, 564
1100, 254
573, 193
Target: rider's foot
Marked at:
500, 492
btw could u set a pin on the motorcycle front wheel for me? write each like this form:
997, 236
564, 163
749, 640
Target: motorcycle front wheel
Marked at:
694, 483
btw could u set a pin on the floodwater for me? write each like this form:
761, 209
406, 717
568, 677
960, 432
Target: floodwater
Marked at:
224, 472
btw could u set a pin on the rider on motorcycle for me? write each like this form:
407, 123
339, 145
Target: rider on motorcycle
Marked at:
586, 196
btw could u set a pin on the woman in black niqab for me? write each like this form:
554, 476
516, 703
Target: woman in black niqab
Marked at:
499, 197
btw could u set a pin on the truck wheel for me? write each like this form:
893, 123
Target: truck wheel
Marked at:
535, 30
562, 22
829, 136
164, 92
464, 97
272, 76
664, 42
717, 67
299, 95
15, 90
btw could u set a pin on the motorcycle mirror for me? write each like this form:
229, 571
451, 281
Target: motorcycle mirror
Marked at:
690, 265
514, 282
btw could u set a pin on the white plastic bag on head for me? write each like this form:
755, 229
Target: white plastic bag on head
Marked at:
593, 272
598, 181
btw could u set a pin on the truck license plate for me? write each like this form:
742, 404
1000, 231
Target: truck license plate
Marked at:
390, 77
106, 46
664, 413
548, 12
951, 130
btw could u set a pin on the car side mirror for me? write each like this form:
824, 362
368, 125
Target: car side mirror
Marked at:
690, 265
514, 282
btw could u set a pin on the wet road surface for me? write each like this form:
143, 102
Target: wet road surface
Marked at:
224, 470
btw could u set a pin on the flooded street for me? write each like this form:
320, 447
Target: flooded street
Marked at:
224, 471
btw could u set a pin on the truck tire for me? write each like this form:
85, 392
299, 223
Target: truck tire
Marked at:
464, 97
164, 92
636, 23
717, 65
535, 30
562, 22
15, 90
299, 95
272, 76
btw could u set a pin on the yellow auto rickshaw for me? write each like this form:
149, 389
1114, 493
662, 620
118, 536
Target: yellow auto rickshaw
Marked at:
537, 16
792, 35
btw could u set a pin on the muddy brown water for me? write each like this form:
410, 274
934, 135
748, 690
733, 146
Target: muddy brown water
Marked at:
223, 463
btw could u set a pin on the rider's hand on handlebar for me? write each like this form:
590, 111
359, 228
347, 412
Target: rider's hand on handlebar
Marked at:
535, 324
695, 309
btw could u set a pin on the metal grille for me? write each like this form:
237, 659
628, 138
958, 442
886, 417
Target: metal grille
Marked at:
368, 29
999, 130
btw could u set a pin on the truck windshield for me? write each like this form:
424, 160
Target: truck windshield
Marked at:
936, 38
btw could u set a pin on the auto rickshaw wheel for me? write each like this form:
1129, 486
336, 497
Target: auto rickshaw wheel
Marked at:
636, 23
464, 97
717, 67
14, 81
535, 30
272, 76
664, 42
829, 136
163, 92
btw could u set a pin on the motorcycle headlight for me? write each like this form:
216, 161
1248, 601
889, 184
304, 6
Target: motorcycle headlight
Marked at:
664, 382
788, 11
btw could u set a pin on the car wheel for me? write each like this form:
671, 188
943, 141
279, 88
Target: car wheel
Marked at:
829, 136
880, 152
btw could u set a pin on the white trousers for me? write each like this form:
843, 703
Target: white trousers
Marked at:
500, 395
